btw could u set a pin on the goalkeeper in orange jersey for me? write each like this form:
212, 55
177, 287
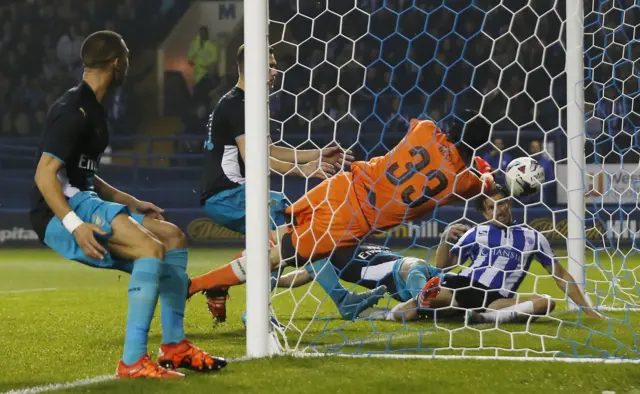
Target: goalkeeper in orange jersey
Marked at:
425, 170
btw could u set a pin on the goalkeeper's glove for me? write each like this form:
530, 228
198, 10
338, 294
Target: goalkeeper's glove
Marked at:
485, 174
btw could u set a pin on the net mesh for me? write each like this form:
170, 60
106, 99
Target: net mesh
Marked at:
355, 73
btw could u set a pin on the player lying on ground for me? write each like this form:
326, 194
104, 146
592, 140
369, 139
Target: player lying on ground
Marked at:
367, 265
80, 216
501, 253
426, 169
222, 189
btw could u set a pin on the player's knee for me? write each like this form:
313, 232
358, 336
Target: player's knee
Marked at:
151, 247
176, 239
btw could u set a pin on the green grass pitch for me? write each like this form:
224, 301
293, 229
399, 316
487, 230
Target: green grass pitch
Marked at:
61, 321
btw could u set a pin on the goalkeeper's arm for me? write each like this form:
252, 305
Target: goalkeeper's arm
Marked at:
567, 284
485, 174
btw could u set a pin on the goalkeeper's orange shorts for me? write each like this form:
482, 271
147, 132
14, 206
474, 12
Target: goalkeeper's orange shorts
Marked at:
327, 215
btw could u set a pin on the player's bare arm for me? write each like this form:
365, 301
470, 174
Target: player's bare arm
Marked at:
110, 193
334, 155
567, 284
46, 180
445, 260
312, 169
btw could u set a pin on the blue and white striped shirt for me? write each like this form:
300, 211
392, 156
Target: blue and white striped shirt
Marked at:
500, 257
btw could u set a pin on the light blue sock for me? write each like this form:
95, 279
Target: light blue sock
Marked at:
143, 296
173, 295
325, 275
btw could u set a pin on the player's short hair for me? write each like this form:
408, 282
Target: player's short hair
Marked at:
470, 131
495, 190
240, 56
101, 48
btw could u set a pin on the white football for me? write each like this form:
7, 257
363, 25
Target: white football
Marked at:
524, 176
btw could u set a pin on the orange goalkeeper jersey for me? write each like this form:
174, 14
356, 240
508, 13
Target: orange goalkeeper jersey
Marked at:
413, 178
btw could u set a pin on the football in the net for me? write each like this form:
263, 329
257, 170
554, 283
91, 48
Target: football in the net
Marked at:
524, 176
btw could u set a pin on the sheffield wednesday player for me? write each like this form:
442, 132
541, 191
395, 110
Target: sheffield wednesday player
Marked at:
367, 265
81, 217
501, 254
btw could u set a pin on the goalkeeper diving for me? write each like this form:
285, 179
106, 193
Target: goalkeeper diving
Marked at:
501, 254
426, 170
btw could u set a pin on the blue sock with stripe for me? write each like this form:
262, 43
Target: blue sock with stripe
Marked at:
143, 296
174, 285
325, 275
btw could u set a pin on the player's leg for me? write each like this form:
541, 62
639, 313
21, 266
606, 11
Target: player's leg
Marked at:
294, 279
142, 259
518, 309
176, 351
174, 281
131, 242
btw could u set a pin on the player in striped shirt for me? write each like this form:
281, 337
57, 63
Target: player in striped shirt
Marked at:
501, 254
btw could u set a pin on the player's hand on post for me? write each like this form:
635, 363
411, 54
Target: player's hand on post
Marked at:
317, 169
148, 209
85, 236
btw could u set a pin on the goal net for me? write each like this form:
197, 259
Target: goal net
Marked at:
354, 73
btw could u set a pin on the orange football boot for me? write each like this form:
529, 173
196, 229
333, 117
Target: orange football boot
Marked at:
430, 290
185, 355
145, 368
217, 304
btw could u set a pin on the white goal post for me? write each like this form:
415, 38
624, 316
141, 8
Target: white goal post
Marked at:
611, 285
256, 103
575, 140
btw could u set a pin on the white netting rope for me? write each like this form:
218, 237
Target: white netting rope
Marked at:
356, 72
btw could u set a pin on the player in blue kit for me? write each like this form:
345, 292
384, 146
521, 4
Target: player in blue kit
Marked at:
367, 265
501, 254
222, 186
83, 218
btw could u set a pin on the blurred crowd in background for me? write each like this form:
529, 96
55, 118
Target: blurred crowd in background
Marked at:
351, 71
40, 44
507, 63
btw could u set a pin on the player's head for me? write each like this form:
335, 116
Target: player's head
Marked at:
272, 65
496, 206
469, 132
535, 146
105, 51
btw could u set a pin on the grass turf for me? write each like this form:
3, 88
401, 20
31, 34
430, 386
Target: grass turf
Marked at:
76, 331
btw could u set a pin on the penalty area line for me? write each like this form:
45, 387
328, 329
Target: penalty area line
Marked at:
28, 290
81, 382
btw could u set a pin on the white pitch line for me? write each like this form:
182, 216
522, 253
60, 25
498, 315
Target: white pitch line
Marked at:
28, 290
82, 382
60, 386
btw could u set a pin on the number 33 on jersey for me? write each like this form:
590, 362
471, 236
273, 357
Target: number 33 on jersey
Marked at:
423, 170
